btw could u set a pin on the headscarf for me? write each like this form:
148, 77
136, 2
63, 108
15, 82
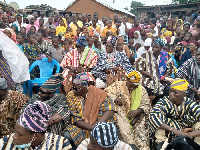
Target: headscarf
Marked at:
81, 79
180, 84
139, 39
53, 83
81, 41
64, 20
13, 35
135, 77
148, 42
159, 41
3, 16
105, 134
29, 17
3, 84
112, 40
186, 23
17, 30
179, 20
35, 117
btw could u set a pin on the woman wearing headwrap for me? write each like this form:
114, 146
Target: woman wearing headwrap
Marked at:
87, 106
102, 141
154, 66
79, 60
186, 26
61, 29
170, 26
133, 106
179, 23
137, 38
15, 28
196, 29
111, 60
10, 33
30, 131
175, 115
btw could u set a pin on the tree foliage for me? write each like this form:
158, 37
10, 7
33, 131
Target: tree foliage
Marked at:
133, 5
184, 1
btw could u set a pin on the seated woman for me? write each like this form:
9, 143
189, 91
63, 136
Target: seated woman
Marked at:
110, 61
88, 106
175, 115
30, 131
133, 104
155, 66
79, 60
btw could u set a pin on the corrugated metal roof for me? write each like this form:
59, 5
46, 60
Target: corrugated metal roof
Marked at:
114, 7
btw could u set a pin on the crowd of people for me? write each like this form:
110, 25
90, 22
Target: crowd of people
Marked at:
121, 85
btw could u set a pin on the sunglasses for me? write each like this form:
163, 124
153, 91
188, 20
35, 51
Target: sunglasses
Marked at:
42, 92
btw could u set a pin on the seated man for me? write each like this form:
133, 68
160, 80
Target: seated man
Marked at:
11, 103
88, 106
100, 140
133, 106
60, 114
175, 115
30, 131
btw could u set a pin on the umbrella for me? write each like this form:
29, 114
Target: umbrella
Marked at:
18, 62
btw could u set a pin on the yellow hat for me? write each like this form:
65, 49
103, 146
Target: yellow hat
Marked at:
180, 84
135, 77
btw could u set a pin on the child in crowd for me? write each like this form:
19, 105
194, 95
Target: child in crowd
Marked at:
20, 41
120, 41
78, 31
90, 42
32, 52
187, 39
177, 36
131, 47
23, 30
33, 29
98, 49
56, 51
119, 48
66, 46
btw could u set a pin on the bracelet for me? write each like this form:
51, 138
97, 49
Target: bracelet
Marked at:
171, 129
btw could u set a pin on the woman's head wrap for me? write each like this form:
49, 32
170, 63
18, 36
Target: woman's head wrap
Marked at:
35, 117
3, 84
148, 42
105, 134
187, 23
29, 17
112, 40
53, 83
180, 84
15, 27
81, 41
135, 77
159, 41
81, 79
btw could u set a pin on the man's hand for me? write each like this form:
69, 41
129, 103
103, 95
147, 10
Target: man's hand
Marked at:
134, 113
56, 118
118, 101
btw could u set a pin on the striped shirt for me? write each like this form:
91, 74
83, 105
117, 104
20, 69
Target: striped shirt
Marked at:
120, 145
52, 142
165, 112
76, 105
191, 72
147, 62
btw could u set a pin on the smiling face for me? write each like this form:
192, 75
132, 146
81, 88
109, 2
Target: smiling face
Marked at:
156, 49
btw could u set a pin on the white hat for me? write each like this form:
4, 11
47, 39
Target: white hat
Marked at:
148, 42
100, 84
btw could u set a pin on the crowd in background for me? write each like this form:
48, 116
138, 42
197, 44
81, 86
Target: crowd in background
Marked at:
122, 85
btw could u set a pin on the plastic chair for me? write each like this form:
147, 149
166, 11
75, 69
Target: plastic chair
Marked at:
46, 70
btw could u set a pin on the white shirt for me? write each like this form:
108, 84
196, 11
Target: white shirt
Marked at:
141, 51
156, 33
